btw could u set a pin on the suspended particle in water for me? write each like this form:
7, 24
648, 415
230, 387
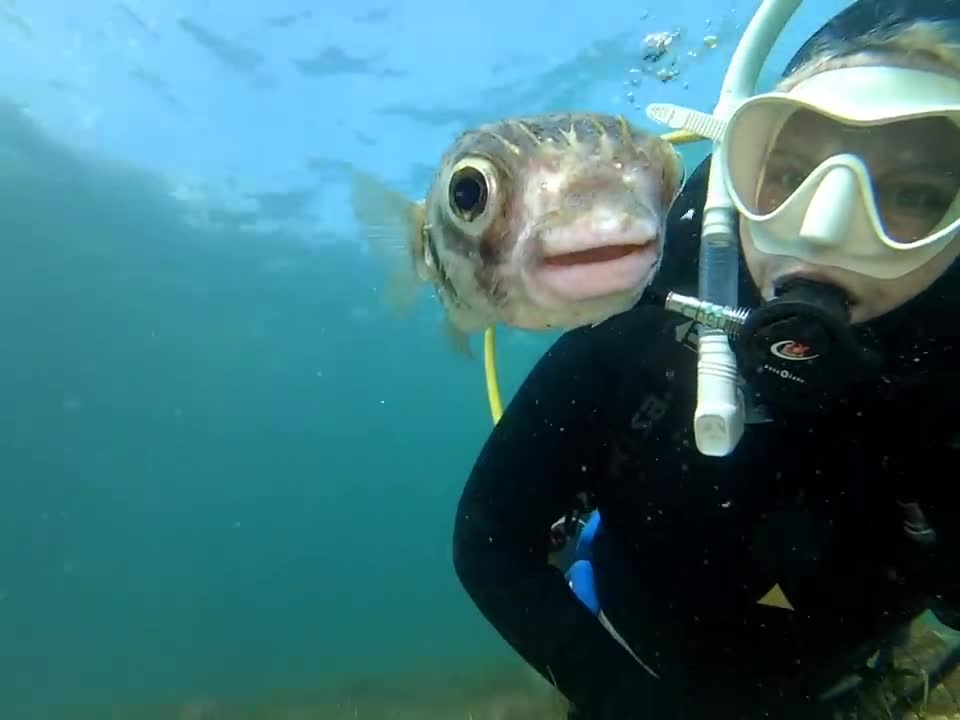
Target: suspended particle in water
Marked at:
657, 45
653, 54
665, 75
710, 41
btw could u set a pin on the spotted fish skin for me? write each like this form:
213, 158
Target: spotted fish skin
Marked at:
529, 221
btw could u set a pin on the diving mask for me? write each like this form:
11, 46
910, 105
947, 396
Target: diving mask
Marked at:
870, 185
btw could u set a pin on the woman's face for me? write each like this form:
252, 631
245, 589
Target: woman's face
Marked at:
915, 173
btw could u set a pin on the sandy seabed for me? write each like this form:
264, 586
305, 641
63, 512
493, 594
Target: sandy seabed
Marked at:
482, 693
506, 690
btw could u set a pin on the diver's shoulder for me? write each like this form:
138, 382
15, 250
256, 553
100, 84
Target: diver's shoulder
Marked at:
641, 326
625, 335
681, 246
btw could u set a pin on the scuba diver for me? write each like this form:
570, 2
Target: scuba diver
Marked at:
755, 581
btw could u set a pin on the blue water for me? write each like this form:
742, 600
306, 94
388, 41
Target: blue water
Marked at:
225, 468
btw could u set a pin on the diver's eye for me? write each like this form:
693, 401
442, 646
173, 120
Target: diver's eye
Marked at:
917, 198
468, 193
791, 178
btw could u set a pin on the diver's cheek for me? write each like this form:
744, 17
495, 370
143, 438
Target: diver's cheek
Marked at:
878, 297
758, 264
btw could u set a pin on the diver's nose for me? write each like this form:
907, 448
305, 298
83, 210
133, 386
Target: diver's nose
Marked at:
830, 210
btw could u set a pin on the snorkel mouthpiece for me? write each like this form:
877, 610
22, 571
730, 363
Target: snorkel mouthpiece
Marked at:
799, 349
806, 322
795, 349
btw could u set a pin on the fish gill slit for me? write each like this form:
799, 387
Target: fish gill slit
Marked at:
444, 282
497, 294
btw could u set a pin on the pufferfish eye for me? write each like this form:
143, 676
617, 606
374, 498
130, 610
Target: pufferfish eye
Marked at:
468, 193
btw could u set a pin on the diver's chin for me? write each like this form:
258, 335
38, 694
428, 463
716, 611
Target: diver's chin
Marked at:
568, 279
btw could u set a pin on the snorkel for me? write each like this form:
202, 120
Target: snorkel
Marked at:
720, 413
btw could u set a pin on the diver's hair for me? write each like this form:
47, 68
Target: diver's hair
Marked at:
922, 44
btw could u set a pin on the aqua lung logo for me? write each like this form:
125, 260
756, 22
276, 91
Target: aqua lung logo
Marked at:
783, 373
793, 350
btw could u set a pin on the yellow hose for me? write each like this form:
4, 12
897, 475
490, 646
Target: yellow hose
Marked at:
490, 369
677, 137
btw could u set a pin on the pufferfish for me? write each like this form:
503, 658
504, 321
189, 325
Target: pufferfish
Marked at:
544, 222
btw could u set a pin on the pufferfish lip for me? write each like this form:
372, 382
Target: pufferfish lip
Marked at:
596, 272
586, 256
601, 255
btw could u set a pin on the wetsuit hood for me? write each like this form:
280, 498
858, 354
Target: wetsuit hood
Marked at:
864, 16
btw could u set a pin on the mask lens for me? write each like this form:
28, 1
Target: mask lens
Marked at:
913, 167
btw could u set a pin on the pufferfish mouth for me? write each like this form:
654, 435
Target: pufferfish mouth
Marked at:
592, 255
583, 266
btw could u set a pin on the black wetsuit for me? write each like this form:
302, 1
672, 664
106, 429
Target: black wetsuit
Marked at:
822, 506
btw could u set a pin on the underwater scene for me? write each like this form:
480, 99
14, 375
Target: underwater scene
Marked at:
229, 468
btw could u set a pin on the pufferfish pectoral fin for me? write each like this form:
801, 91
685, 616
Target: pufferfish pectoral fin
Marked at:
457, 340
394, 229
